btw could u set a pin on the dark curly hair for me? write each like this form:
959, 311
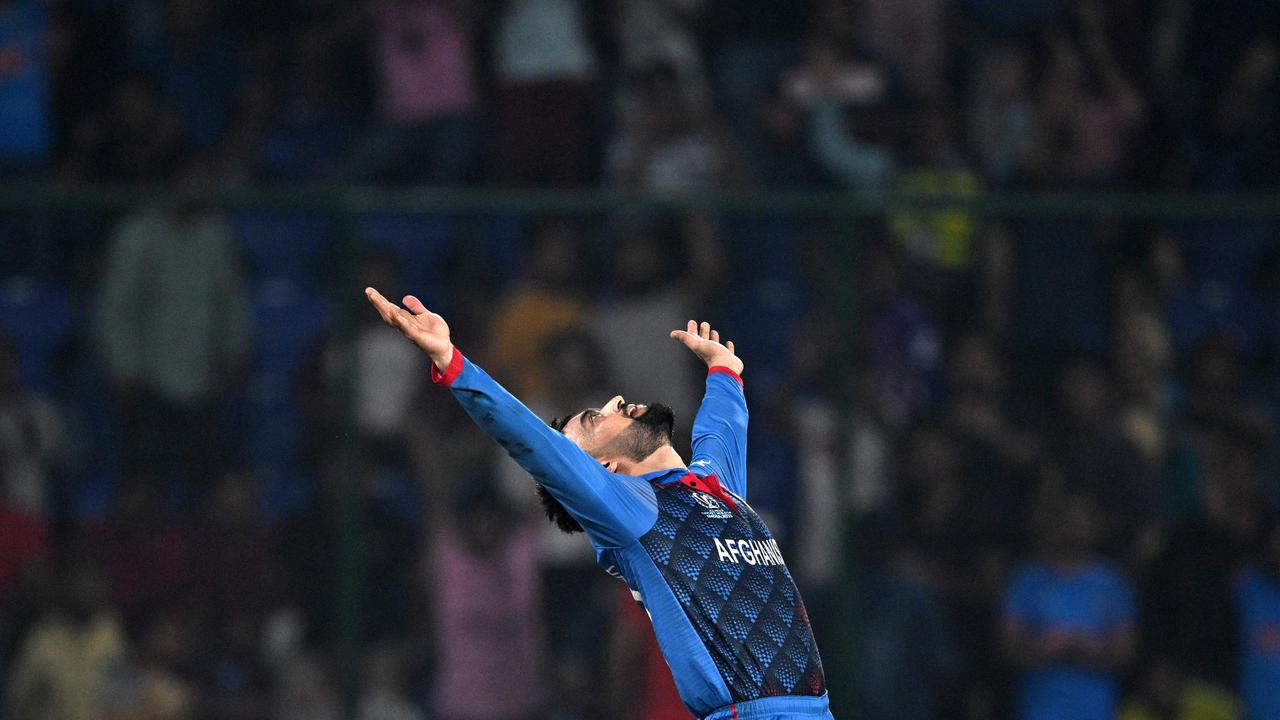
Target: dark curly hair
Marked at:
556, 512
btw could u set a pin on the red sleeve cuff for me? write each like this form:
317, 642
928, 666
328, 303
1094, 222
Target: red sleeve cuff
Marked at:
447, 377
727, 371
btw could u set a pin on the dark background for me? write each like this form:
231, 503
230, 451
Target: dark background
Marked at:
994, 445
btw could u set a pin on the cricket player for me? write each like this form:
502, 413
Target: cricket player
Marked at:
724, 608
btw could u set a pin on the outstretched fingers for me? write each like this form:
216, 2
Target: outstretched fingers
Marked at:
391, 314
415, 305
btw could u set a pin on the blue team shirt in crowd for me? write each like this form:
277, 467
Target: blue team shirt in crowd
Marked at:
1093, 599
24, 84
725, 610
1258, 600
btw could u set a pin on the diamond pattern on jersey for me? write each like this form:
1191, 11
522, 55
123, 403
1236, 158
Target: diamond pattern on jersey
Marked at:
750, 617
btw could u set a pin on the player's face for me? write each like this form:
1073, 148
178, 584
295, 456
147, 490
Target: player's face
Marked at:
595, 428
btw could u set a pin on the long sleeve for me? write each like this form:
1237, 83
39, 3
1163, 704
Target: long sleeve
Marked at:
614, 509
720, 431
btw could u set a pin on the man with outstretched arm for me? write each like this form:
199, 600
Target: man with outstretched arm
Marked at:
725, 610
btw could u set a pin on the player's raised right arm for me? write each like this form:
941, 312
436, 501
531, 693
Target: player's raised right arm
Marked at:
720, 428
610, 507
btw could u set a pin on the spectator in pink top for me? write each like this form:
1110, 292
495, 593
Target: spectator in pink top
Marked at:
425, 130
481, 576
483, 572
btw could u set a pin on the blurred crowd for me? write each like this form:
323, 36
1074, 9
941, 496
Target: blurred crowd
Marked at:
961, 95
1042, 452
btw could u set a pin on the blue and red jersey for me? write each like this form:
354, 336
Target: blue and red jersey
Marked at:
725, 610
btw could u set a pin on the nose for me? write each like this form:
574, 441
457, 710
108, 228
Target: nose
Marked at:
615, 405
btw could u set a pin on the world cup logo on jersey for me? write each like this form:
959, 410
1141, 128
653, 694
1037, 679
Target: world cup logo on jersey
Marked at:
712, 507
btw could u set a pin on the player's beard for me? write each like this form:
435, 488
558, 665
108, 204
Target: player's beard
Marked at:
650, 431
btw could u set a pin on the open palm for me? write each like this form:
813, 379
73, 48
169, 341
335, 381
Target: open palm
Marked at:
704, 341
426, 329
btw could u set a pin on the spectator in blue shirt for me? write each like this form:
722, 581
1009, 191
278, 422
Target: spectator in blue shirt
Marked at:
1068, 621
1258, 600
25, 113
200, 72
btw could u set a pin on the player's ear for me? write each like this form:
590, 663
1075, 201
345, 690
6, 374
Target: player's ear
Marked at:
611, 466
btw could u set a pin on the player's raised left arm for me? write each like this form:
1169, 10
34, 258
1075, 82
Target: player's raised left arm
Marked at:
613, 509
720, 428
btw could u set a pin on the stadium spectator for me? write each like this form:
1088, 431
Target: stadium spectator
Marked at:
309, 126
662, 33
543, 59
750, 44
384, 508
1069, 620
31, 440
905, 648
548, 300
199, 69
27, 55
1084, 127
1216, 401
960, 542
1096, 456
993, 444
477, 543
234, 566
62, 668
1190, 582
1001, 112
1142, 356
148, 682
174, 334
1171, 416
946, 247
904, 343
143, 550
913, 38
135, 136
1257, 592
849, 128
669, 142
425, 129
